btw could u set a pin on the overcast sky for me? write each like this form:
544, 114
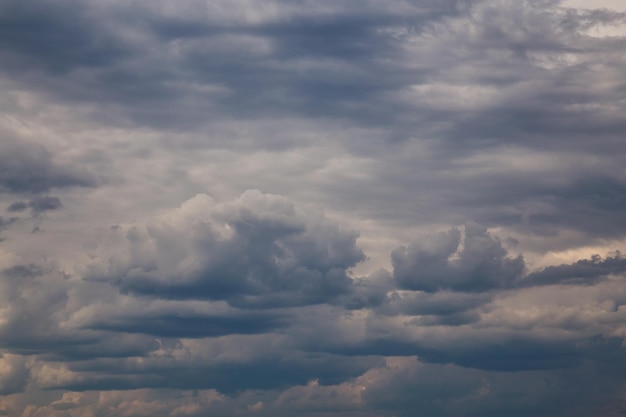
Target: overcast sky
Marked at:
314, 208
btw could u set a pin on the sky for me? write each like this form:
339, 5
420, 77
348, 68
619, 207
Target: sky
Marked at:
308, 208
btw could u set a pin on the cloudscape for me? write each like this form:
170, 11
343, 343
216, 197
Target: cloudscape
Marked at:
314, 208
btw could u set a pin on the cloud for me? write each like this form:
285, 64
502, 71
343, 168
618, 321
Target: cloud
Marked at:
30, 168
13, 373
5, 223
34, 299
582, 272
481, 264
259, 251
468, 156
17, 206
44, 203
190, 326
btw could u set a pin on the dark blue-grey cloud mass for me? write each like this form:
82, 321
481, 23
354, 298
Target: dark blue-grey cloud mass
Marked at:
113, 341
468, 156
194, 326
30, 168
481, 264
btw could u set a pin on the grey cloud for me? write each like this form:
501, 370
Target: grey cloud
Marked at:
409, 385
14, 374
5, 223
513, 355
23, 271
482, 264
228, 377
35, 297
442, 303
562, 201
103, 344
40, 303
600, 195
274, 257
429, 115
70, 43
30, 168
17, 206
194, 326
44, 203
582, 272
370, 291
507, 353
251, 71
470, 76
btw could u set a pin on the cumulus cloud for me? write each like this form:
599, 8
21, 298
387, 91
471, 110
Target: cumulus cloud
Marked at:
481, 263
256, 252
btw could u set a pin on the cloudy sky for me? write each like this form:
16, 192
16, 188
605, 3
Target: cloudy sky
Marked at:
315, 208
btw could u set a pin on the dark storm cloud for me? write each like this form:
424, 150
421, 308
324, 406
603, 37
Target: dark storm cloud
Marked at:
482, 264
465, 77
265, 372
507, 354
600, 195
30, 168
370, 291
513, 355
73, 37
194, 326
95, 346
556, 201
360, 68
448, 391
267, 67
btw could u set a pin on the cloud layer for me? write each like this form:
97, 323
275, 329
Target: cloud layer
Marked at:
312, 208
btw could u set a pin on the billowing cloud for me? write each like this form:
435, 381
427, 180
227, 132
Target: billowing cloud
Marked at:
441, 263
258, 251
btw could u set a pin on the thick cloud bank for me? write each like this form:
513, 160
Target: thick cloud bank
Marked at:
390, 208
252, 302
